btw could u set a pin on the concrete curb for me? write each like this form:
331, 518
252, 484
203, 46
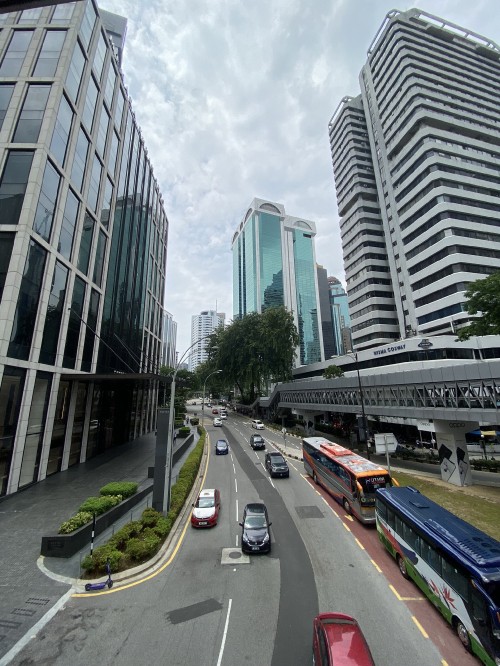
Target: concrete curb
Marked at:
162, 556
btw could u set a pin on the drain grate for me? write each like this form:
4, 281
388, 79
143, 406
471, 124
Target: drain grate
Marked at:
9, 624
25, 612
37, 601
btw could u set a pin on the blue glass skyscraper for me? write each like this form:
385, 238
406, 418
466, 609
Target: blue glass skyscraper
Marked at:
274, 264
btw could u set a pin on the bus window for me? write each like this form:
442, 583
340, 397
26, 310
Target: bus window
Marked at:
371, 483
381, 509
455, 578
430, 556
411, 538
399, 526
391, 518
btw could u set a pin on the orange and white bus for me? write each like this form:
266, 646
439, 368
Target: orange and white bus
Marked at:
349, 478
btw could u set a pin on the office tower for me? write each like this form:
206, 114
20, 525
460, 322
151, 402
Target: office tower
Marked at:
330, 347
82, 248
416, 172
169, 341
274, 264
202, 326
341, 321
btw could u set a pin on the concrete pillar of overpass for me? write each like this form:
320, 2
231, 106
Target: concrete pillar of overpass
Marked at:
452, 450
307, 421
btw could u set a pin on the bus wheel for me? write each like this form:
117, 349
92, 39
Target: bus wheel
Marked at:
346, 505
402, 566
315, 478
463, 634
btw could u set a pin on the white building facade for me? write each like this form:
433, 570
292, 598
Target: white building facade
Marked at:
203, 325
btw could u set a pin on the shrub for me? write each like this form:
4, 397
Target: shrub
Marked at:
100, 505
163, 527
128, 531
78, 520
143, 548
96, 563
150, 517
178, 423
184, 431
194, 420
123, 488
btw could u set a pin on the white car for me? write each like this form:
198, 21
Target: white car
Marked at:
217, 422
223, 415
258, 425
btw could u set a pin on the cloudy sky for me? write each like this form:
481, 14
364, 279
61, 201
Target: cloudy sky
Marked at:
234, 98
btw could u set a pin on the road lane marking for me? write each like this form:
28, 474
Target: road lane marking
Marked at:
422, 630
293, 466
237, 512
236, 541
376, 566
346, 526
219, 660
359, 543
271, 482
236, 484
400, 598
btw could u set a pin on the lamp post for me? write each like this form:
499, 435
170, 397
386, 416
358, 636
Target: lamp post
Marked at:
203, 401
165, 503
354, 355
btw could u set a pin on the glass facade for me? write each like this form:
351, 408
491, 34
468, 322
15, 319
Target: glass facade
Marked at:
87, 233
274, 265
270, 261
307, 303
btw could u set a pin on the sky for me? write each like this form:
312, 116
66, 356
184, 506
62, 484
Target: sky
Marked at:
234, 98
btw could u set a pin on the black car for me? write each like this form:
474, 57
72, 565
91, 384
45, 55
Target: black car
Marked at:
221, 447
255, 534
257, 442
276, 465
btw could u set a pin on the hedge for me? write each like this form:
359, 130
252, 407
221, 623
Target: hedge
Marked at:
123, 488
99, 505
140, 540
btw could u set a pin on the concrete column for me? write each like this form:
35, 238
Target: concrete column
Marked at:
452, 449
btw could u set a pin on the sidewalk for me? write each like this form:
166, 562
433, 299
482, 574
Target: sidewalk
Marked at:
26, 593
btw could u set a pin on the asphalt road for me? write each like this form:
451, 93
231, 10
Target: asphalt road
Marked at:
209, 605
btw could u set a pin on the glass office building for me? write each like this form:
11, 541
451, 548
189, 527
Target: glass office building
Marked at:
274, 264
83, 239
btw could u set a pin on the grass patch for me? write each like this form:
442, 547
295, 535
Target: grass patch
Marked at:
478, 511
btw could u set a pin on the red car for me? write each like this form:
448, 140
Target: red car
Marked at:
215, 411
206, 510
338, 640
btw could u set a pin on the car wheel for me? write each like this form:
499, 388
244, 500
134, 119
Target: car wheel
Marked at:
402, 566
463, 635
347, 506
315, 478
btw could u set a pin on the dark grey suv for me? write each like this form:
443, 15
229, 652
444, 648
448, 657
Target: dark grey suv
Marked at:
276, 465
257, 442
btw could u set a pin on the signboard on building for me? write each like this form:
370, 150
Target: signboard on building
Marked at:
385, 442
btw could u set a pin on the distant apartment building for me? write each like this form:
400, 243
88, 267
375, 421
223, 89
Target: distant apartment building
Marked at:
202, 326
169, 341
330, 346
274, 263
416, 164
341, 321
83, 242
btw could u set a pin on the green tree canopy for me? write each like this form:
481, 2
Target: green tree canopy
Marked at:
333, 371
483, 299
254, 350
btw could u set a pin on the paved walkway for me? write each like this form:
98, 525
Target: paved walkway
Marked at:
26, 594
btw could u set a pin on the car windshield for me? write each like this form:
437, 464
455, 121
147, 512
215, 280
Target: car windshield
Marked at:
277, 460
255, 522
205, 502
221, 445
371, 483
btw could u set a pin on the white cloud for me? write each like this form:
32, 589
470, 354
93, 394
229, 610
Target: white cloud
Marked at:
234, 99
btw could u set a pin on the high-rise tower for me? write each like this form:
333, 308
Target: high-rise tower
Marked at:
274, 264
203, 325
416, 160
82, 247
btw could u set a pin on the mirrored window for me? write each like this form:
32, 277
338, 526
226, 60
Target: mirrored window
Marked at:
74, 324
100, 56
95, 179
88, 25
106, 203
80, 159
16, 52
62, 131
90, 105
63, 13
32, 113
54, 314
75, 73
6, 244
13, 185
5, 95
86, 244
49, 55
68, 227
99, 258
47, 201
30, 15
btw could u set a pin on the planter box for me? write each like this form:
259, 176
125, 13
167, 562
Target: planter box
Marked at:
66, 545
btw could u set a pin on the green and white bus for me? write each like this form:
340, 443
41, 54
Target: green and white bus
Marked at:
454, 564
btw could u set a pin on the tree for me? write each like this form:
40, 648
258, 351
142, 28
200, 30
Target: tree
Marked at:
254, 350
333, 371
483, 300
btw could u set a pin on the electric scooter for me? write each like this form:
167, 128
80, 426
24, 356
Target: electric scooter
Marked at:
102, 584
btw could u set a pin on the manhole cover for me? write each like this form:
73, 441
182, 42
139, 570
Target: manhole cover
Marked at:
234, 556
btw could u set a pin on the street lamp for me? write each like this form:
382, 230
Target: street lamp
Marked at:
354, 355
203, 400
170, 433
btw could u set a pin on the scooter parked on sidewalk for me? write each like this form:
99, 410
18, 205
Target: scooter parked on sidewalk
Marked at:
102, 584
